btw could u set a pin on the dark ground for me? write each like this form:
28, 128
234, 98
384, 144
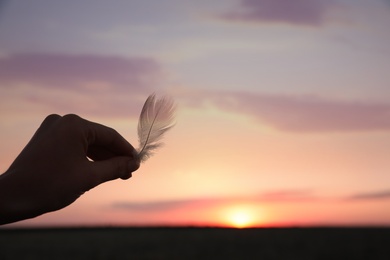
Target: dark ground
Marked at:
195, 243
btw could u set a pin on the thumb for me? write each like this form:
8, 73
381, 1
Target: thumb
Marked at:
111, 169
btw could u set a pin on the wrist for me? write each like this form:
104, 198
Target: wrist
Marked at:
13, 207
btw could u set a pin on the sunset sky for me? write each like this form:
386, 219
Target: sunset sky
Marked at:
283, 105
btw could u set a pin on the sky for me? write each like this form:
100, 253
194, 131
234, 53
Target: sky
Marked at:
283, 106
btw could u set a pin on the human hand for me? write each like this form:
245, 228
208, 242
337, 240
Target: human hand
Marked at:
53, 170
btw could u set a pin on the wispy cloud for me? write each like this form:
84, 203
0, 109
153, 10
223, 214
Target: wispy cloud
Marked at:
298, 12
273, 196
376, 195
77, 71
152, 206
287, 195
306, 113
86, 84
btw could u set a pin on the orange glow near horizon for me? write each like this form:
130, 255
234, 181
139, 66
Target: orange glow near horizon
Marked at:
242, 216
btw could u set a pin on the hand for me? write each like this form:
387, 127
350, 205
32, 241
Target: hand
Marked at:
53, 170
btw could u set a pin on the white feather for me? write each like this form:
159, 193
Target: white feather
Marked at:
157, 117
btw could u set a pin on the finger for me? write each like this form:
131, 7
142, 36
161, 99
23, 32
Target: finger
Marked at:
98, 153
111, 169
109, 140
50, 119
47, 123
43, 129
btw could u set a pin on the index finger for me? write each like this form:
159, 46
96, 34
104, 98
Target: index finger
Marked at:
108, 139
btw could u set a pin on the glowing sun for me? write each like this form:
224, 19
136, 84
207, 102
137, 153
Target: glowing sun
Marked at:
240, 217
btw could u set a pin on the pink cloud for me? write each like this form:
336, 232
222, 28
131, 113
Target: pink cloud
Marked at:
299, 12
83, 84
277, 196
282, 196
297, 113
375, 195
74, 71
307, 113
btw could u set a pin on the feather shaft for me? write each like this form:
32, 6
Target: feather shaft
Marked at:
157, 117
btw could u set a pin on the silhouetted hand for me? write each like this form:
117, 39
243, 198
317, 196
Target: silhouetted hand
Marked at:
53, 170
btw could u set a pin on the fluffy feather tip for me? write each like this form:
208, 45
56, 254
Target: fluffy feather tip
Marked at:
156, 118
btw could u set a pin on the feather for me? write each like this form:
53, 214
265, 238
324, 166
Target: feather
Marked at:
156, 118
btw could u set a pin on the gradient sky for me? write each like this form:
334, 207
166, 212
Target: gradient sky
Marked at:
283, 106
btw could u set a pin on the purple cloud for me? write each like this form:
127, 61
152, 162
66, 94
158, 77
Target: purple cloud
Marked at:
84, 84
75, 71
299, 12
378, 195
288, 195
306, 114
152, 206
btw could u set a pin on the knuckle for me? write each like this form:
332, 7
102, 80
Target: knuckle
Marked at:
71, 122
113, 133
52, 117
71, 118
50, 120
66, 128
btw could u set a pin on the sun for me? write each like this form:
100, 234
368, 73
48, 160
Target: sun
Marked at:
240, 219
240, 216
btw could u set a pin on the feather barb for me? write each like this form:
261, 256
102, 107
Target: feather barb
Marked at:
156, 118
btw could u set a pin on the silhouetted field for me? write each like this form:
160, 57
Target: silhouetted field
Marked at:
195, 243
